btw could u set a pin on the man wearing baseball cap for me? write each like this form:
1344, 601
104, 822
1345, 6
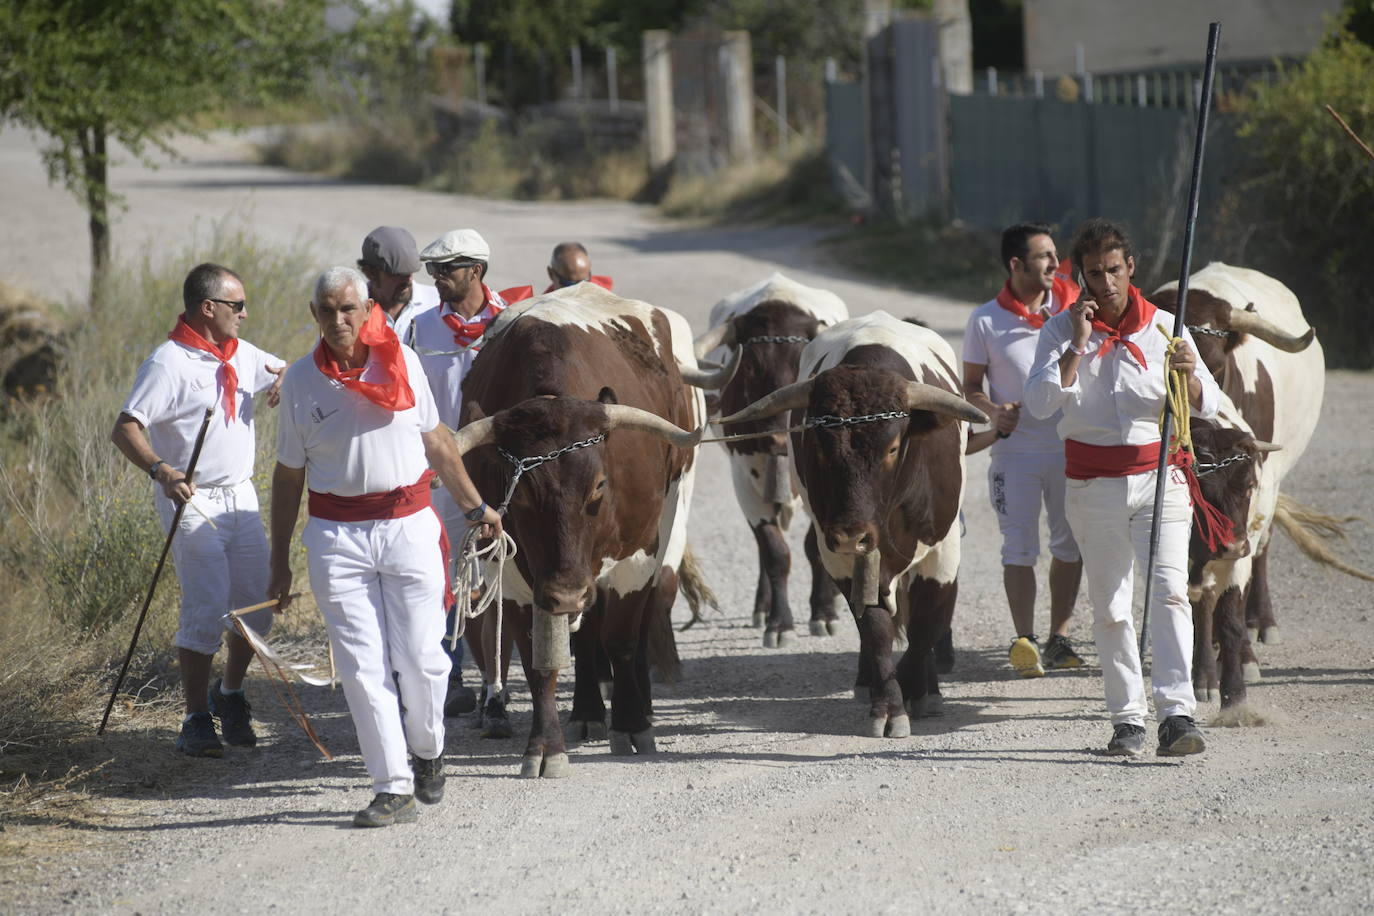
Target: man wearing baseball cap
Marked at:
447, 340
390, 257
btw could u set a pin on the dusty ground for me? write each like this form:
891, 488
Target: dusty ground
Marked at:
762, 798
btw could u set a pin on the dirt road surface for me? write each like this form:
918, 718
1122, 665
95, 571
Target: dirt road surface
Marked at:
763, 798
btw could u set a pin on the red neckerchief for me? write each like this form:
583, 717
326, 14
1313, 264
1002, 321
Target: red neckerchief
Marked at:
1062, 292
465, 333
185, 335
604, 282
393, 394
1139, 313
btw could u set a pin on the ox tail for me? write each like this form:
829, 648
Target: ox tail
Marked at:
1311, 530
694, 588
660, 642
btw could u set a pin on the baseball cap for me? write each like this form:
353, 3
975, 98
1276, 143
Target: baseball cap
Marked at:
391, 249
458, 243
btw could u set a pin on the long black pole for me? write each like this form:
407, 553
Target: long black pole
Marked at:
157, 573
1185, 268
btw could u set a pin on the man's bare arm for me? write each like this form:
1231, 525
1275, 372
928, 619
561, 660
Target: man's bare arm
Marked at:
287, 486
442, 453
129, 437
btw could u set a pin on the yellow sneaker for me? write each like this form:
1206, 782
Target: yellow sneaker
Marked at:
1024, 656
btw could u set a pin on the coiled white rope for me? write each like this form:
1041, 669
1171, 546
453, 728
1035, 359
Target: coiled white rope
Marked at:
475, 566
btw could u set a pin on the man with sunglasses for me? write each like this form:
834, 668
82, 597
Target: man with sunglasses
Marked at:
390, 257
447, 340
220, 550
569, 265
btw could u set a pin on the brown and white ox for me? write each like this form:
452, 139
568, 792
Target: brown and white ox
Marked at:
601, 528
770, 322
1250, 332
880, 466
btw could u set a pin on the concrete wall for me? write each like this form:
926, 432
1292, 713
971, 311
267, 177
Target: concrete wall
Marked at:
1127, 35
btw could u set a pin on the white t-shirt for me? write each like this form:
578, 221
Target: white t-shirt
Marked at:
1005, 344
423, 298
1112, 401
171, 391
348, 445
445, 363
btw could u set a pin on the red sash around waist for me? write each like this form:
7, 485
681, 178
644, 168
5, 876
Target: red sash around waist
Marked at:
1086, 462
397, 503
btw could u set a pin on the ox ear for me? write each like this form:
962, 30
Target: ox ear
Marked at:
607, 396
920, 396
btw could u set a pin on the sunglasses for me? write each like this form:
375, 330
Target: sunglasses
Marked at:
235, 304
443, 269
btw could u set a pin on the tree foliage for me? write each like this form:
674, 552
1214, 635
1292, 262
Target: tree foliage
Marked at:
90, 72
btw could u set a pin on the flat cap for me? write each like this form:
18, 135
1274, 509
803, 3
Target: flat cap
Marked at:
458, 243
391, 249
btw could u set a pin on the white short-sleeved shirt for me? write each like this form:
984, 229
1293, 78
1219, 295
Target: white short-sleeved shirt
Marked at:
1112, 400
445, 363
1005, 344
171, 391
423, 298
348, 445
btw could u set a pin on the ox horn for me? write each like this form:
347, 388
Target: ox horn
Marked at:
722, 335
1252, 324
920, 396
792, 397
712, 379
1263, 446
623, 416
475, 435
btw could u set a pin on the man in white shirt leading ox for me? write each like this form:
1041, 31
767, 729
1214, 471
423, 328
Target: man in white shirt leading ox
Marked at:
220, 551
1027, 466
1102, 362
447, 340
389, 260
361, 428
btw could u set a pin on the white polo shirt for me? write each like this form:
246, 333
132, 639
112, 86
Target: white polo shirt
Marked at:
171, 391
348, 445
445, 363
1112, 401
1005, 344
423, 298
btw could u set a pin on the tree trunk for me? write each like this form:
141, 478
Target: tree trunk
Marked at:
97, 205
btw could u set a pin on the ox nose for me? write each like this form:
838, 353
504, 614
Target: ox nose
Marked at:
851, 539
566, 600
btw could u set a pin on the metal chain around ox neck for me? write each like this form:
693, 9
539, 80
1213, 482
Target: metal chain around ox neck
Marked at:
825, 421
776, 339
1204, 331
1202, 470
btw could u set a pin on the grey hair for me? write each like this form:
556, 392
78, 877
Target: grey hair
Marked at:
335, 278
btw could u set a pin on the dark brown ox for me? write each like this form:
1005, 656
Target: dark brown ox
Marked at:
601, 528
883, 490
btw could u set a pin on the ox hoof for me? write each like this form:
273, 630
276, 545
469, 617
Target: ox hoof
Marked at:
760, 618
579, 730
930, 706
877, 727
770, 639
1270, 636
861, 694
1253, 633
626, 744
644, 742
1250, 672
818, 628
620, 744
556, 767
606, 690
1203, 692
898, 727
832, 627
787, 638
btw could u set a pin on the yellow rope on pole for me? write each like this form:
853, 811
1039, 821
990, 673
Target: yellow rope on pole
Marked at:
1176, 384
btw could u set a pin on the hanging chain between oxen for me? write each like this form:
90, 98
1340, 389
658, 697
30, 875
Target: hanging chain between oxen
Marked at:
495, 555
1202, 470
825, 421
776, 339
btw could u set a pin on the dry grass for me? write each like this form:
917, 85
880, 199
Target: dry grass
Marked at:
794, 188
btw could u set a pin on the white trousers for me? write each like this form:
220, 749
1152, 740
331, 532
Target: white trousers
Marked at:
1018, 483
1110, 517
380, 586
220, 568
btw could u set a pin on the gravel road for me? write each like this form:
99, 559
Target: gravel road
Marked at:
762, 798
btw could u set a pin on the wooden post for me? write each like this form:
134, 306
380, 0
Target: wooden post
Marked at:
737, 78
479, 54
612, 87
780, 74
575, 58
659, 127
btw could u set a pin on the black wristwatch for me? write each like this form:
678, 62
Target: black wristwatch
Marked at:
475, 515
152, 468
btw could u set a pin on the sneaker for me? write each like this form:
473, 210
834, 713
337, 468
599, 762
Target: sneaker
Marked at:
387, 809
460, 700
1127, 741
234, 714
1024, 656
429, 779
494, 722
1179, 736
198, 738
1059, 653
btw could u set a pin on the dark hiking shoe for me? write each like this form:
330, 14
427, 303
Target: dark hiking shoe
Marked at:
234, 714
495, 723
460, 700
1127, 741
1024, 656
387, 809
429, 779
1179, 737
1059, 653
198, 738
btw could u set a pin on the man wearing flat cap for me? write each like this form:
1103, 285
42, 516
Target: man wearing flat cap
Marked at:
447, 340
390, 257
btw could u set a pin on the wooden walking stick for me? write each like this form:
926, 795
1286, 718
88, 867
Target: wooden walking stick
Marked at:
1350, 133
1190, 220
157, 573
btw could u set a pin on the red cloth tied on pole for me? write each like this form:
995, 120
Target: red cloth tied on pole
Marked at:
187, 336
395, 393
1065, 292
1139, 313
397, 503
